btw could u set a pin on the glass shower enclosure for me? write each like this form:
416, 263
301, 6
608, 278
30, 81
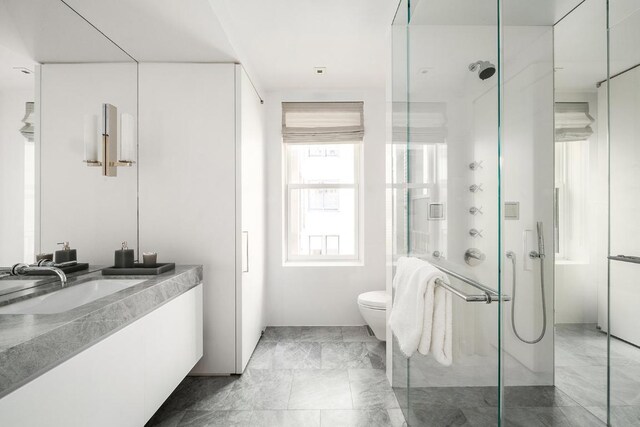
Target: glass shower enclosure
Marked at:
480, 122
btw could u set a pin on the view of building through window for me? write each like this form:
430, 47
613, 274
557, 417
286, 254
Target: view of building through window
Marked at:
322, 201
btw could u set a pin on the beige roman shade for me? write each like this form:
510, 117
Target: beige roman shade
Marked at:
572, 121
322, 122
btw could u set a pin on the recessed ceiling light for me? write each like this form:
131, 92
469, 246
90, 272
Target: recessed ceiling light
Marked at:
23, 70
320, 71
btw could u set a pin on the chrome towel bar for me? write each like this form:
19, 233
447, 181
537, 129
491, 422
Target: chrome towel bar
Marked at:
488, 295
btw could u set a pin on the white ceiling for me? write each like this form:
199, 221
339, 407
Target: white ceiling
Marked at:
48, 31
580, 44
11, 78
484, 12
160, 30
281, 41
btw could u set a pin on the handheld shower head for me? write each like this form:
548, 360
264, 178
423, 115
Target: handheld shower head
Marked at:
485, 69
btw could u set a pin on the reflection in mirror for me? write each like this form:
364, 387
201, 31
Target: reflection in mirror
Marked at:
57, 69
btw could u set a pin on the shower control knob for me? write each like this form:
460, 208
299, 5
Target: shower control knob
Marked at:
475, 233
475, 165
475, 188
474, 211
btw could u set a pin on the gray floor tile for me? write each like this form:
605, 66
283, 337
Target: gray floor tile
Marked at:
357, 334
297, 355
282, 333
263, 355
285, 384
216, 419
321, 334
588, 387
377, 354
397, 417
370, 389
200, 393
320, 389
260, 389
288, 418
535, 396
356, 418
345, 355
428, 416
454, 397
165, 419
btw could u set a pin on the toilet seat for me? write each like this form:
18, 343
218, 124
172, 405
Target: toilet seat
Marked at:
375, 300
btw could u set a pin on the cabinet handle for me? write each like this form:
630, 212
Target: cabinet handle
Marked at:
245, 251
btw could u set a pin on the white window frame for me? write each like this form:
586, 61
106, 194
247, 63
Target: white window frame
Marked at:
358, 203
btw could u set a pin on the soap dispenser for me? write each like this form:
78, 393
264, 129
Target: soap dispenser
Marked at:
65, 254
124, 257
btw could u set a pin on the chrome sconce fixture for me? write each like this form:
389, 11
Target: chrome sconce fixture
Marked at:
101, 146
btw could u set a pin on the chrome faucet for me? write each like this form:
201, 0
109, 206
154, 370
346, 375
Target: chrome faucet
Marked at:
22, 269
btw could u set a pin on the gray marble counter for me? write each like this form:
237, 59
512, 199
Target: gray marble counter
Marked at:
31, 344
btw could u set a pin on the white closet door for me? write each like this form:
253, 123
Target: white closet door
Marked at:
251, 130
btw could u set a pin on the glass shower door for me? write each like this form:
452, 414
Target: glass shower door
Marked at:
444, 197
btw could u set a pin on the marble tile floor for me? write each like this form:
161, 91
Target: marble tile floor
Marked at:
581, 372
478, 406
298, 377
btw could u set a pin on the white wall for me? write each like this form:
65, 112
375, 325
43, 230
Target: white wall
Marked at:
187, 191
326, 295
93, 212
12, 147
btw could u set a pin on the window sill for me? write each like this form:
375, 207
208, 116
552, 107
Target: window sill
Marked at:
332, 263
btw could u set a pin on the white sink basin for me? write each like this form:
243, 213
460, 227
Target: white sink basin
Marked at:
68, 298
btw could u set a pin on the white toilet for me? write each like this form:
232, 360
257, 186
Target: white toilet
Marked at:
373, 307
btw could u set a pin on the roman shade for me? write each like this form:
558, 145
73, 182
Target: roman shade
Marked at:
420, 122
572, 121
322, 122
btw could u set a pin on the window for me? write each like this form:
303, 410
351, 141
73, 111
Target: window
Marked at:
322, 181
573, 131
571, 164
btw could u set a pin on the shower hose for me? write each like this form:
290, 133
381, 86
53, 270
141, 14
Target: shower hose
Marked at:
512, 257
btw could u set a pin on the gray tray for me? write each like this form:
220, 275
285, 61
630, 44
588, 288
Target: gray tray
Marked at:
139, 269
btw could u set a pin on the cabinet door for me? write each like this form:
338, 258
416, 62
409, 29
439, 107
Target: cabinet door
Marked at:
101, 386
251, 292
172, 345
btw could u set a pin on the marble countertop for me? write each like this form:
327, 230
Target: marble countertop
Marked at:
31, 344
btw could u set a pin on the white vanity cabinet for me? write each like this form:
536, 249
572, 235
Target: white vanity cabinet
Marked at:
120, 381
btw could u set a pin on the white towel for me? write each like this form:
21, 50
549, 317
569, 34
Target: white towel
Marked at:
421, 316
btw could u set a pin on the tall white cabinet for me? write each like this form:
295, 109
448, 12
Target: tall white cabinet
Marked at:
201, 195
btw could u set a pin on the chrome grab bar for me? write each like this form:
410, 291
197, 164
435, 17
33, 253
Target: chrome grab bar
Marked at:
488, 296
625, 258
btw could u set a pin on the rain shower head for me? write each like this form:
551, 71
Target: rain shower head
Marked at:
485, 69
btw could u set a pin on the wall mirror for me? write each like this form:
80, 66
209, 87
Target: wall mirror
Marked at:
56, 72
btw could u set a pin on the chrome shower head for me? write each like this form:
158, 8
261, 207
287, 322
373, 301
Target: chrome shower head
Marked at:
485, 69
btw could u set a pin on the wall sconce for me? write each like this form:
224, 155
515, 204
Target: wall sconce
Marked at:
101, 141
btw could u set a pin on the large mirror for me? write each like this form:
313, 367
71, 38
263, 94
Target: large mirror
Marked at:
57, 71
